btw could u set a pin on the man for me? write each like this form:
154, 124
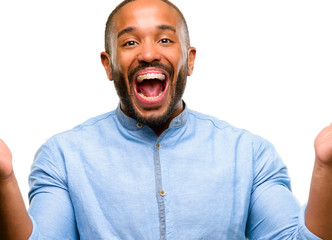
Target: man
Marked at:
153, 169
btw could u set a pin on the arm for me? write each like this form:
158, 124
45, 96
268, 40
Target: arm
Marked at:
51, 214
51, 209
274, 213
318, 216
15, 222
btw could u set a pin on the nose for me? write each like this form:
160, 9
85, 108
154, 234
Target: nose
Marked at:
149, 52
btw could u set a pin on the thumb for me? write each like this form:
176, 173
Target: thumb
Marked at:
6, 168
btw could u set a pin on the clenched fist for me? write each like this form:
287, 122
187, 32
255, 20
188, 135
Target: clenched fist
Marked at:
323, 146
6, 167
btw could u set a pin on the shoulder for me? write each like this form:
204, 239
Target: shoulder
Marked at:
197, 117
96, 121
88, 130
205, 122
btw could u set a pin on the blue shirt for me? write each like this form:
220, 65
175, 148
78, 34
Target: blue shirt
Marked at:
113, 178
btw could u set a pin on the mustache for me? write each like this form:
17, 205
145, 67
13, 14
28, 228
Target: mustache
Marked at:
143, 65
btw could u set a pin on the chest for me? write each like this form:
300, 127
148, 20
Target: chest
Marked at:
199, 188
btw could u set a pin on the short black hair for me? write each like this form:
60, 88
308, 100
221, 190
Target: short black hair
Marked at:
109, 24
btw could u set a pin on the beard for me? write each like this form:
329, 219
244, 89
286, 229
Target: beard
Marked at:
125, 93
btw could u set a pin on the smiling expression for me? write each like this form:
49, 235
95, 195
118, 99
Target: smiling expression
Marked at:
150, 61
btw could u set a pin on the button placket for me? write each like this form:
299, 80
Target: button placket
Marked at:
159, 190
162, 193
158, 145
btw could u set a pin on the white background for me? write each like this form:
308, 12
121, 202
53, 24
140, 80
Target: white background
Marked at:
261, 65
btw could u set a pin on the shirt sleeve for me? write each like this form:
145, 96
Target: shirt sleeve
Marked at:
274, 213
50, 210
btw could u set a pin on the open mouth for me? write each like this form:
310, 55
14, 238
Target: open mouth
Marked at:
150, 86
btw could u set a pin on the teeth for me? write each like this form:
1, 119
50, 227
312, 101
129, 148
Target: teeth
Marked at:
159, 76
150, 98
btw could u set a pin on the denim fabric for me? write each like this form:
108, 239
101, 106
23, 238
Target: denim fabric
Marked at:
113, 178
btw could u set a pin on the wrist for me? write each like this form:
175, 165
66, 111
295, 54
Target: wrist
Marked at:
322, 169
322, 163
10, 178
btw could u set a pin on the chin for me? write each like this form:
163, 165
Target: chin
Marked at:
154, 118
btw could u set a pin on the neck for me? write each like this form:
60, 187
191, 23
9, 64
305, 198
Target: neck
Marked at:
161, 128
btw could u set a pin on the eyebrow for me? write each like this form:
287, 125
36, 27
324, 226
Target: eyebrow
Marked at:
126, 30
166, 27
131, 29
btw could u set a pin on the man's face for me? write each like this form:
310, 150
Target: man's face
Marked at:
151, 67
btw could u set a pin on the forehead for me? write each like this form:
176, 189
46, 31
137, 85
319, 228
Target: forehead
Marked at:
144, 14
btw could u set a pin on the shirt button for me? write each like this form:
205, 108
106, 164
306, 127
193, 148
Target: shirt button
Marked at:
158, 145
139, 125
162, 193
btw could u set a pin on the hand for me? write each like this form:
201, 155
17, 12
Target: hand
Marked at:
323, 146
6, 167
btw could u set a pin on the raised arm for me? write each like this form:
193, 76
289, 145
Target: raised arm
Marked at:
318, 216
15, 222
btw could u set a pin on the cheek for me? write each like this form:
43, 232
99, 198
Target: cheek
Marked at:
116, 66
122, 61
126, 61
181, 64
178, 63
179, 58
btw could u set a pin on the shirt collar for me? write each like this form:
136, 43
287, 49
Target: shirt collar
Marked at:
134, 125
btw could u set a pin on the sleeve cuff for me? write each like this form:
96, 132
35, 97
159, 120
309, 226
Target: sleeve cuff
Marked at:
34, 235
304, 232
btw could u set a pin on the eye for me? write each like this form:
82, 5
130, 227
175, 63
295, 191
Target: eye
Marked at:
129, 43
166, 40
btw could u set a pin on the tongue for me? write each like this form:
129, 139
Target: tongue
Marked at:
150, 88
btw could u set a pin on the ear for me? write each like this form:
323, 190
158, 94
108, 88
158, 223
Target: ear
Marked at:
191, 60
106, 61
